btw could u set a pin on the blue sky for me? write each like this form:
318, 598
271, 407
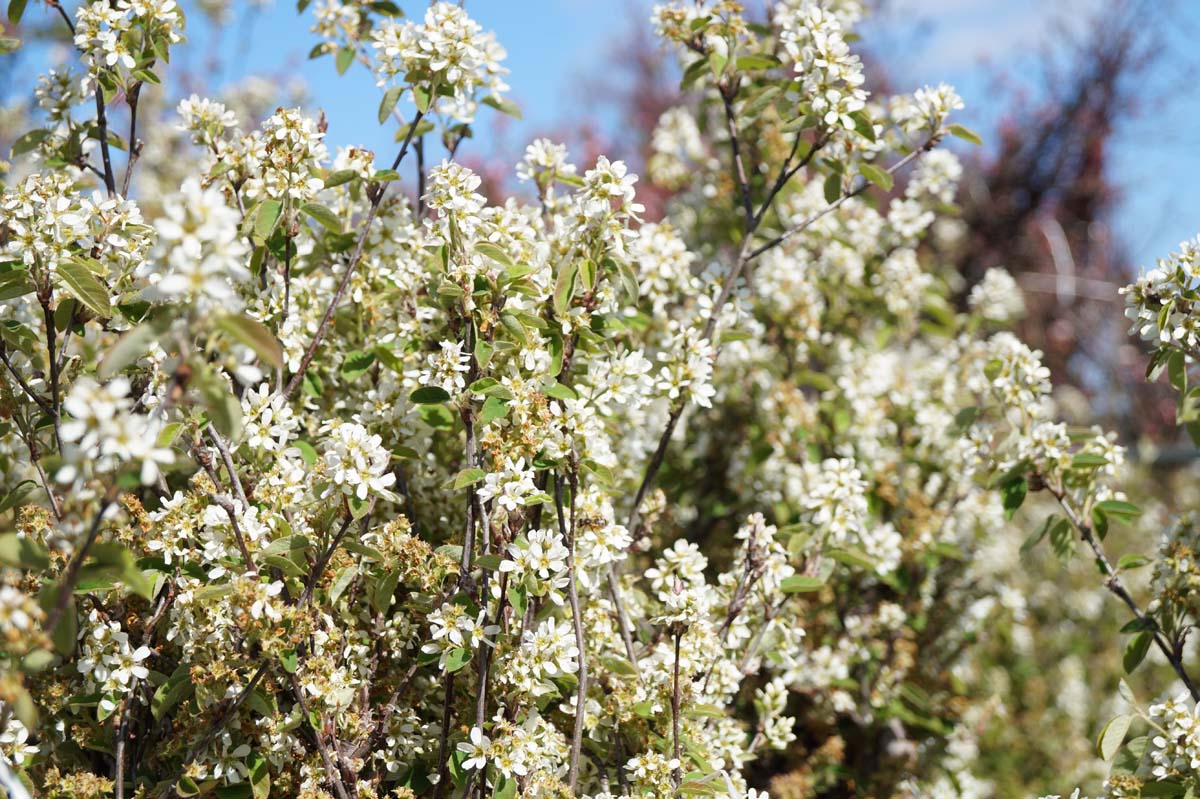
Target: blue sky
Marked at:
556, 47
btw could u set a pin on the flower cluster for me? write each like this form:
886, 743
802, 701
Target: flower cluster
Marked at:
448, 51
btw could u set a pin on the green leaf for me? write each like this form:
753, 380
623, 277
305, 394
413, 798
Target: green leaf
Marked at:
559, 391
260, 776
505, 789
833, 187
356, 364
965, 133
23, 552
493, 408
489, 562
266, 216
1119, 509
421, 98
800, 584
339, 177
15, 283
255, 335
1112, 736
15, 9
757, 62
495, 253
503, 105
1012, 495
328, 219
222, 407
341, 582
23, 707
168, 695
358, 507
1139, 624
468, 477
13, 498
307, 453
1136, 649
84, 286
1132, 562
38, 661
388, 103
457, 658
429, 395
147, 76
289, 661
564, 287
880, 177
29, 141
852, 557
1036, 536
436, 416
1088, 460
9, 44
240, 790
345, 58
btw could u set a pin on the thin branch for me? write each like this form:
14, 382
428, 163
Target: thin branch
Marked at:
739, 169
41, 403
227, 459
577, 619
66, 587
836, 204
318, 568
676, 712
1112, 581
376, 200
135, 147
110, 181
51, 333
334, 773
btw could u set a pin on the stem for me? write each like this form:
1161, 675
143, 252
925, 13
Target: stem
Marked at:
51, 334
110, 182
677, 772
833, 206
577, 619
1112, 581
739, 169
334, 774
323, 327
227, 459
66, 587
41, 403
135, 147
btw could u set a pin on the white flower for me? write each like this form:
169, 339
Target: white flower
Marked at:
478, 750
357, 462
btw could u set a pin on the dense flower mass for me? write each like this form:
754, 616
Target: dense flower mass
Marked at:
324, 479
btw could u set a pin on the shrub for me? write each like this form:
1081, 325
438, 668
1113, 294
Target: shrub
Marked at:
326, 482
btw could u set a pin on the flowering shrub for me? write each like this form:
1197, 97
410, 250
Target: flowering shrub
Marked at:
317, 485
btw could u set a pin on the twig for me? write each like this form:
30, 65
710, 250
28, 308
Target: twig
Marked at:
334, 773
676, 710
227, 459
51, 333
833, 206
41, 403
576, 618
66, 587
135, 147
1112, 581
110, 182
350, 267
